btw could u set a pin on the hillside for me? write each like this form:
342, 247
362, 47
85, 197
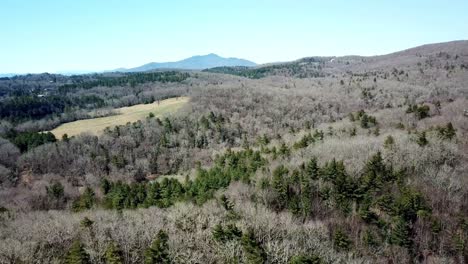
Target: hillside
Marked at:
321, 160
450, 54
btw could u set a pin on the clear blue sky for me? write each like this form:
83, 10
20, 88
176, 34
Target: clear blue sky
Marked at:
66, 35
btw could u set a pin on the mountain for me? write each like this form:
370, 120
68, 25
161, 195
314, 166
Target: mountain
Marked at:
193, 63
3, 75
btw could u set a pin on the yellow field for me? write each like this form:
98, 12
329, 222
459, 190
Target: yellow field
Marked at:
126, 114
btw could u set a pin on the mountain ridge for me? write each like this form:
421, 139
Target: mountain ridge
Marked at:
197, 62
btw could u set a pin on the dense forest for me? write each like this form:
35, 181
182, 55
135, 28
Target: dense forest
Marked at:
321, 160
64, 99
303, 68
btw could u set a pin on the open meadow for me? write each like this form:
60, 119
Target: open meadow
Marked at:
125, 114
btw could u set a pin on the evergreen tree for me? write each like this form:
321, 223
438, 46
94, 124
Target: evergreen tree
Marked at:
55, 191
401, 233
365, 121
77, 254
422, 140
105, 186
227, 205
252, 248
153, 194
113, 254
86, 223
284, 150
280, 186
422, 111
306, 259
318, 135
341, 240
312, 169
376, 174
85, 201
369, 239
389, 142
450, 131
218, 233
158, 253
168, 125
376, 131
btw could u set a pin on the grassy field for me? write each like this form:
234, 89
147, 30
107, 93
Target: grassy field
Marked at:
126, 114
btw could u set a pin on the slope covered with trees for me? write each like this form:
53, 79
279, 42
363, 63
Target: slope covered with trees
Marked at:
364, 162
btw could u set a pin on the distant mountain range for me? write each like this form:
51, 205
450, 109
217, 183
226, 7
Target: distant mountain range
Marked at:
7, 75
192, 63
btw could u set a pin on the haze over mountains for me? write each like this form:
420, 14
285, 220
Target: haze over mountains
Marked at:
193, 63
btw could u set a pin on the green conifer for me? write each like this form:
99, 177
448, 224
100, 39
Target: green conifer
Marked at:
77, 254
113, 254
252, 248
158, 253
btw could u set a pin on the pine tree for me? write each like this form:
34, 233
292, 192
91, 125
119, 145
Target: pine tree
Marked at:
284, 150
341, 241
253, 250
77, 254
365, 121
55, 192
306, 259
422, 140
450, 131
168, 125
218, 233
318, 135
375, 174
86, 223
422, 111
113, 254
232, 231
105, 186
85, 201
158, 253
227, 205
376, 131
312, 169
401, 233
280, 186
447, 132
389, 142
369, 239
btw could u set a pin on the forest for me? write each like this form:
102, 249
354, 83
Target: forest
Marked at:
321, 160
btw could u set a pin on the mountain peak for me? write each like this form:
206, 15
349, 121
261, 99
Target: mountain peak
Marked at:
198, 62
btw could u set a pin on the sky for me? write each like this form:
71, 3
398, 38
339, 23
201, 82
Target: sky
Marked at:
95, 35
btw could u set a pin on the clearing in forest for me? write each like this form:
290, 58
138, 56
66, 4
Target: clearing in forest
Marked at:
125, 114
